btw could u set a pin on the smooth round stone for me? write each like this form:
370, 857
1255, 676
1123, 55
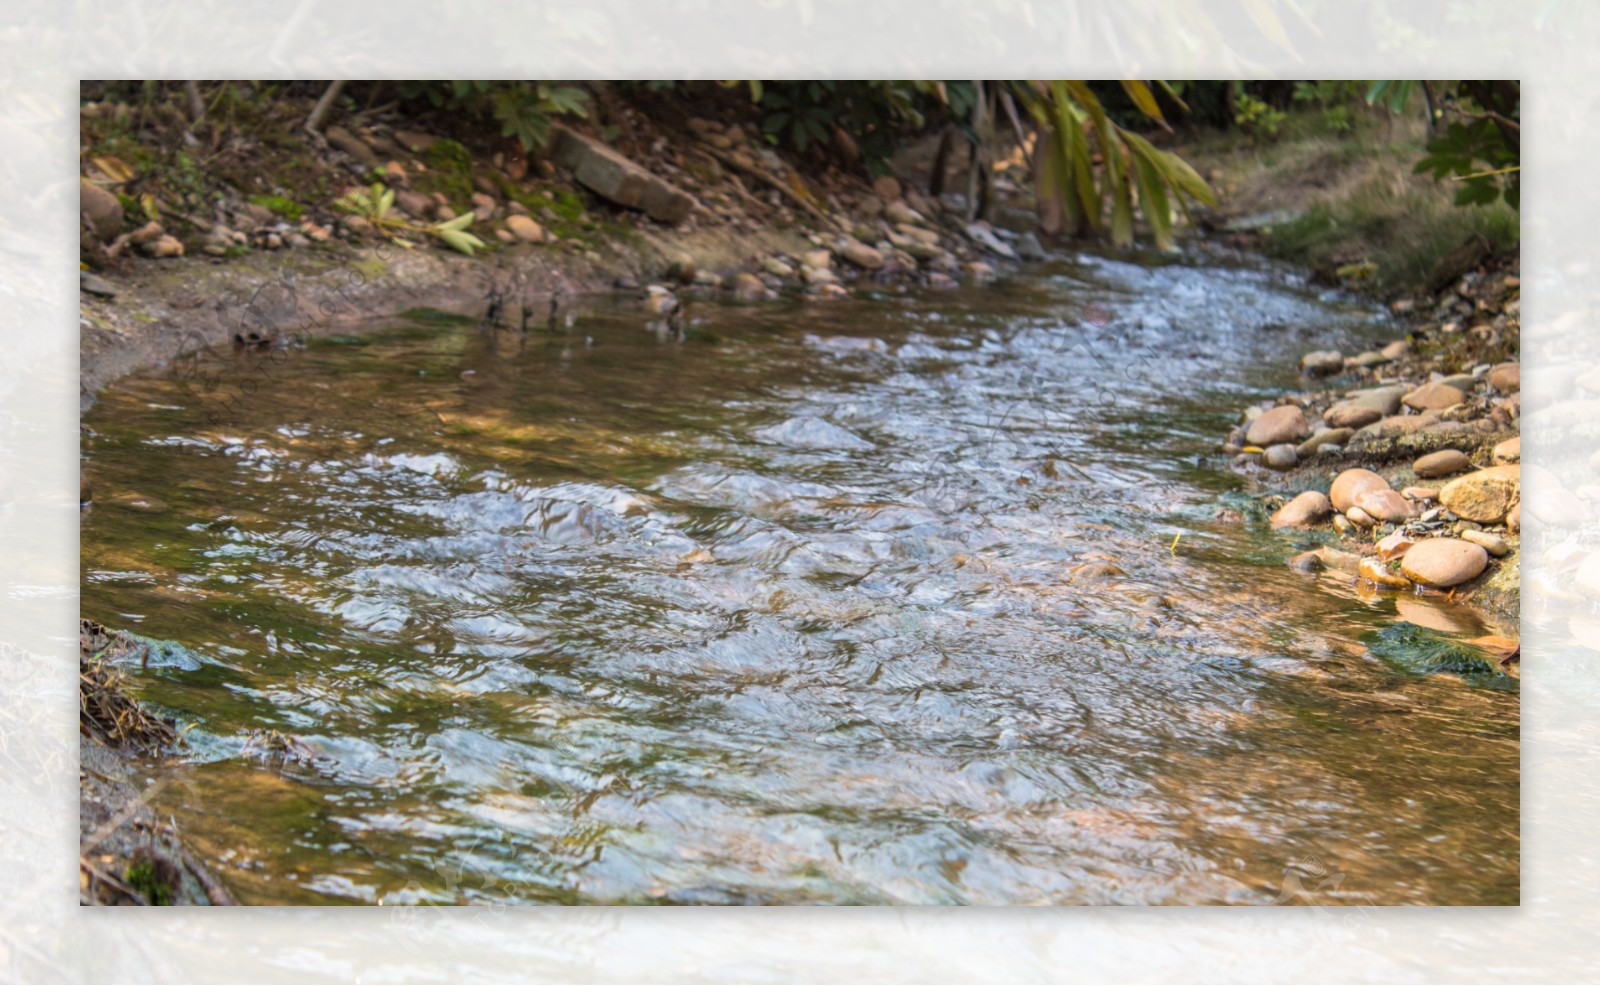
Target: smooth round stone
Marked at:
1445, 462
1342, 524
1440, 563
1424, 493
1307, 508
1488, 541
1351, 483
1384, 505
1508, 452
1322, 363
1330, 436
1506, 377
1359, 517
1280, 457
1433, 397
1306, 561
1282, 424
1352, 414
1514, 519
1394, 546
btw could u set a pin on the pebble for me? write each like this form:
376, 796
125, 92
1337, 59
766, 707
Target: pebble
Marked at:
1488, 541
861, 255
1359, 517
525, 229
1423, 493
1350, 484
1444, 562
165, 246
1330, 436
1280, 457
1506, 377
1485, 496
1433, 397
1508, 452
1321, 363
1286, 423
1384, 504
1445, 462
817, 259
776, 268
1305, 509
1306, 561
1378, 573
748, 287
1351, 414
1394, 546
1342, 524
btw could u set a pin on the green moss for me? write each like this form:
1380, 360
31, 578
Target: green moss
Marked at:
279, 205
142, 876
449, 172
371, 267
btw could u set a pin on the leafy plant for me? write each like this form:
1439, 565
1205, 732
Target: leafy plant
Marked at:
1481, 146
1131, 169
1255, 117
801, 111
523, 109
375, 205
1476, 156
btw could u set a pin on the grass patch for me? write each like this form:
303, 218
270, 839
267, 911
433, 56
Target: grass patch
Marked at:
279, 206
1393, 223
1352, 194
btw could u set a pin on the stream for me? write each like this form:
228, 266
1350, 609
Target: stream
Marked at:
915, 598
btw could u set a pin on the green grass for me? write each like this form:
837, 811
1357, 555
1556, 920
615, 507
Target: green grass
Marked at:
1353, 193
1401, 228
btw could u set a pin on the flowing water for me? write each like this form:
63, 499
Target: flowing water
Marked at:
921, 598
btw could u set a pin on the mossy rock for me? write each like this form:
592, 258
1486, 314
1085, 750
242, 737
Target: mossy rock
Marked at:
1421, 651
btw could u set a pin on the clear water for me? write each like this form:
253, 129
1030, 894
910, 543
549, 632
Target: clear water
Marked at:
926, 598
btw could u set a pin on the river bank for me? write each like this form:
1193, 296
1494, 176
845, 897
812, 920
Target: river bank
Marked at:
204, 310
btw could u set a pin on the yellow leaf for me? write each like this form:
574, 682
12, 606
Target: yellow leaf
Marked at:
114, 168
1143, 98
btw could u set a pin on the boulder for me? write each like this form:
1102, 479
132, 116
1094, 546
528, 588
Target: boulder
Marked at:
1485, 496
617, 179
1445, 462
103, 209
1350, 484
1440, 563
1304, 510
1282, 424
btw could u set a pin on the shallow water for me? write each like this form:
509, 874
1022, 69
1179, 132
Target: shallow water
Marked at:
924, 598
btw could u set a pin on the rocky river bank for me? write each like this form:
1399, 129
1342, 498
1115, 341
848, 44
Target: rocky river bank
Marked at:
1410, 455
